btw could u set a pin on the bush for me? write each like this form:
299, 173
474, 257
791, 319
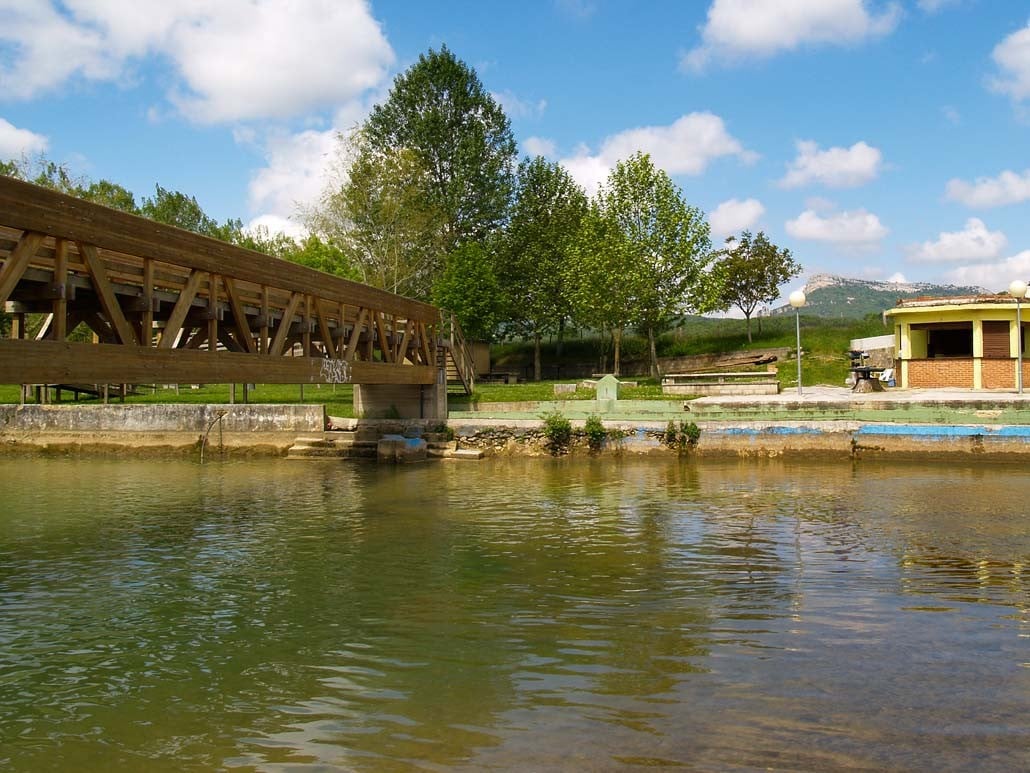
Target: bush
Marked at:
682, 436
595, 432
558, 431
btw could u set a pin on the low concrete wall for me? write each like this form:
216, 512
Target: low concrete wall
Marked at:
174, 428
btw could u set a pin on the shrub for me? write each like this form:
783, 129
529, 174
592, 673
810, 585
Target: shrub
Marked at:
558, 431
682, 436
595, 432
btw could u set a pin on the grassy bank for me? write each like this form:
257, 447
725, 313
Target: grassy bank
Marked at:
824, 341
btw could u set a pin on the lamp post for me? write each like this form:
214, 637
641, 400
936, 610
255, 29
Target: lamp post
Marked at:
1018, 291
797, 300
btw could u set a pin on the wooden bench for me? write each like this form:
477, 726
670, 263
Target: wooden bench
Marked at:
752, 382
498, 377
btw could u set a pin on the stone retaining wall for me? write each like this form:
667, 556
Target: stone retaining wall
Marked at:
157, 428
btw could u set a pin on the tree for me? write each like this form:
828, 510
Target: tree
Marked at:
599, 275
382, 220
751, 270
468, 287
546, 216
315, 253
439, 110
668, 246
182, 211
110, 194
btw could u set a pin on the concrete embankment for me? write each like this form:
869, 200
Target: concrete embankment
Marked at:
261, 429
974, 431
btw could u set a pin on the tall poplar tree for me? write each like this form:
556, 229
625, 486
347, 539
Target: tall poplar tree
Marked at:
439, 109
546, 215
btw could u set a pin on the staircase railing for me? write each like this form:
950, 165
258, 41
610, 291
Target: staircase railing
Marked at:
457, 348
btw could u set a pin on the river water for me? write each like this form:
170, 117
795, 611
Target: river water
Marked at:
513, 615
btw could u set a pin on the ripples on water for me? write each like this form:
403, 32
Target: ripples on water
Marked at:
513, 615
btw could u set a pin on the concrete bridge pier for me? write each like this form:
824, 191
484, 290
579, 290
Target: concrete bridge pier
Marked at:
402, 401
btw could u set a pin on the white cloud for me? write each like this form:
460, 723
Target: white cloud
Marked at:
1007, 188
856, 228
742, 29
516, 107
734, 216
15, 142
834, 167
234, 60
897, 278
994, 276
974, 243
274, 224
1012, 55
539, 146
686, 146
299, 167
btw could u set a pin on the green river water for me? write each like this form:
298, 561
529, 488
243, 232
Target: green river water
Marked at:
513, 615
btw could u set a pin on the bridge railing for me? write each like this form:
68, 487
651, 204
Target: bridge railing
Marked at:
168, 305
457, 348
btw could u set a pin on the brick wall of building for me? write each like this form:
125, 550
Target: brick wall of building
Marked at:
999, 374
943, 372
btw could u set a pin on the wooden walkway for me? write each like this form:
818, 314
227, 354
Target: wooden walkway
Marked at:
165, 305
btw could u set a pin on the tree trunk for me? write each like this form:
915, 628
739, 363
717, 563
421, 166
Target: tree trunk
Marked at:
652, 352
748, 318
537, 365
617, 346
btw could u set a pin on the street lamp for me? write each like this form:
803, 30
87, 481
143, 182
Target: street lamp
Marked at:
1018, 291
797, 300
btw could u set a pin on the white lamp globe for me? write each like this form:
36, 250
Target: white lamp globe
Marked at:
1017, 289
797, 298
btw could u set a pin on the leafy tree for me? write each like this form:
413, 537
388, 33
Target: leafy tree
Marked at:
751, 270
439, 110
668, 244
599, 275
111, 195
469, 288
383, 222
182, 211
546, 215
315, 253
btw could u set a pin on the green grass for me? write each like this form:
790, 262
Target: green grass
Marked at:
535, 391
824, 340
339, 400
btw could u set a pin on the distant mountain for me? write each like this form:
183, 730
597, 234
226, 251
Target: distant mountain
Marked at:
838, 296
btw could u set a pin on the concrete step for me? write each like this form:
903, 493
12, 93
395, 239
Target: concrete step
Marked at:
455, 453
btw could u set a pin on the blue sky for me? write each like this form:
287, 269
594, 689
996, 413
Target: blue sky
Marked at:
878, 140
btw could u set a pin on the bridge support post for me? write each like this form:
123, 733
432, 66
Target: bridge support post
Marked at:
401, 401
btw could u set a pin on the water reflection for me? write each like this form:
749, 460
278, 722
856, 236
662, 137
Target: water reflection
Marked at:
538, 614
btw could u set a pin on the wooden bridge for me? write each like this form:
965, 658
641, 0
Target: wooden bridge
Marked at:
163, 305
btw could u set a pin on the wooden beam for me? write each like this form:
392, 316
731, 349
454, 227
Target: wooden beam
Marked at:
180, 310
60, 312
212, 313
239, 316
403, 348
17, 262
323, 327
64, 362
108, 301
263, 348
427, 354
355, 335
384, 345
305, 336
146, 319
283, 330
